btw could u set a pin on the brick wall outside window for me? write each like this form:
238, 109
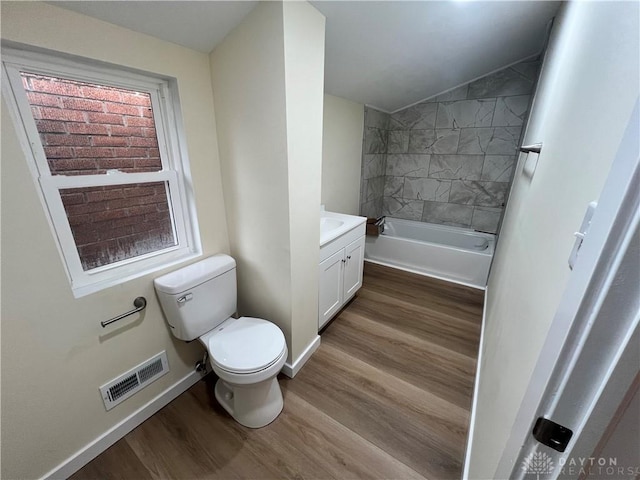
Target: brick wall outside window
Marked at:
87, 129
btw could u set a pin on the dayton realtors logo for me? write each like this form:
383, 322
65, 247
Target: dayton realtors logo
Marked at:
538, 463
596, 467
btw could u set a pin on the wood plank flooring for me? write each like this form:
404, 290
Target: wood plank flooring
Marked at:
386, 396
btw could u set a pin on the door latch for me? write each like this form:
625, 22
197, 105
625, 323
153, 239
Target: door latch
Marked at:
552, 434
580, 234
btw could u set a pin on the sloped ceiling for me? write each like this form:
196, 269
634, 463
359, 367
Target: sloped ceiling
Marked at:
199, 25
393, 54
387, 54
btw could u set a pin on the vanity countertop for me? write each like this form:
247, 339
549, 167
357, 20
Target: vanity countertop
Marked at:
333, 225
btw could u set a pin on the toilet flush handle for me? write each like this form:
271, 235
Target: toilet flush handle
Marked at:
185, 298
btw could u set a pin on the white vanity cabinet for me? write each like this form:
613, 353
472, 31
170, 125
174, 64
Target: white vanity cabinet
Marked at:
340, 272
353, 266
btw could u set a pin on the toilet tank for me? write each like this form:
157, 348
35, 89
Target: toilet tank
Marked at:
199, 297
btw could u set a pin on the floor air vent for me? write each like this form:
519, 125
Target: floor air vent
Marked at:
121, 388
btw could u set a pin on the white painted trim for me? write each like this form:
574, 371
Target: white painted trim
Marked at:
290, 370
430, 275
83, 456
472, 420
175, 171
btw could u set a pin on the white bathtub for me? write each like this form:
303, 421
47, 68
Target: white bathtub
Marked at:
454, 254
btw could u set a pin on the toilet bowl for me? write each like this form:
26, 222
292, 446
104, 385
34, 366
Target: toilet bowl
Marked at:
246, 353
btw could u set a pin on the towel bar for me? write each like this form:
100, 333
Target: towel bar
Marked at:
140, 303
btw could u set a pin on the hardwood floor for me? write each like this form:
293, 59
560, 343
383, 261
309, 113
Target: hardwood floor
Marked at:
387, 395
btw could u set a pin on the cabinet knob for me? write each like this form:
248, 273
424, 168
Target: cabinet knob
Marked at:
348, 257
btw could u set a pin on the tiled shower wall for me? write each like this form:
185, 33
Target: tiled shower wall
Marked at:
374, 162
449, 159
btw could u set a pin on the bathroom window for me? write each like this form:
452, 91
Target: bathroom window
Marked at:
105, 149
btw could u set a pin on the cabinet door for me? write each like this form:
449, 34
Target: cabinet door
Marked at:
354, 264
330, 287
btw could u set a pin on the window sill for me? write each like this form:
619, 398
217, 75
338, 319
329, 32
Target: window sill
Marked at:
84, 290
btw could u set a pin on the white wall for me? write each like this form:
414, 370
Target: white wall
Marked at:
304, 76
342, 154
247, 72
267, 81
55, 354
587, 90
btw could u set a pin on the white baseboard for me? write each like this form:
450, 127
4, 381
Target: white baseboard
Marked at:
111, 436
290, 370
472, 420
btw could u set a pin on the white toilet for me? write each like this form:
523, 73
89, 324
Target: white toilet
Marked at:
246, 353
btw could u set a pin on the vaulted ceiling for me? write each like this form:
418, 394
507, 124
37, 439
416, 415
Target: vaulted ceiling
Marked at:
388, 54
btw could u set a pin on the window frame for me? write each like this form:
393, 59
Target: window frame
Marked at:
175, 172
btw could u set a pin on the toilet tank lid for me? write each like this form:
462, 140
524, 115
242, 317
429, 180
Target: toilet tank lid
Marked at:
193, 275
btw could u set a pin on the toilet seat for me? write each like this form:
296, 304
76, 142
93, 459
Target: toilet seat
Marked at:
246, 345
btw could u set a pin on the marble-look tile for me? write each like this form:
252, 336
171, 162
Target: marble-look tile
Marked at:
498, 168
510, 111
375, 140
426, 189
528, 69
456, 167
448, 159
375, 188
484, 194
442, 141
393, 186
373, 165
465, 113
503, 83
447, 214
420, 116
372, 209
459, 93
492, 140
378, 206
398, 141
505, 141
474, 140
486, 219
363, 191
375, 118
402, 208
408, 165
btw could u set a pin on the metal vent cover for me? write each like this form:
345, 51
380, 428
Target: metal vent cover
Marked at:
125, 385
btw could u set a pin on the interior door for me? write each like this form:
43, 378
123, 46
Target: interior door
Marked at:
592, 353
